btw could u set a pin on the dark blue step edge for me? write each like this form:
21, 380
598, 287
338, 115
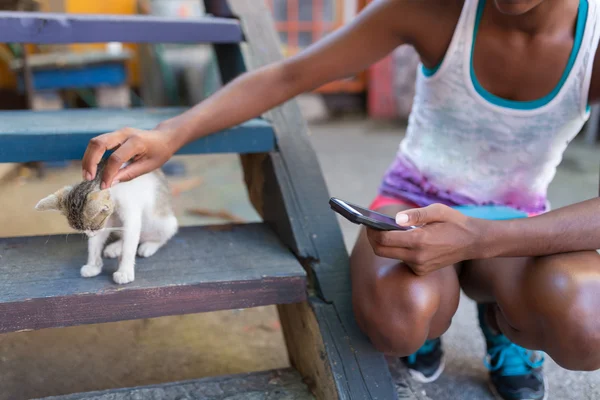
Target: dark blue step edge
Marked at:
64, 135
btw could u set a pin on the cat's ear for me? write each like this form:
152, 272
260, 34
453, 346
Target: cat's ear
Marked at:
54, 201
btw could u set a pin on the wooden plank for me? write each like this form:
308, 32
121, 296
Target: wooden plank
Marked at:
64, 135
293, 199
199, 270
310, 330
306, 349
50, 28
268, 385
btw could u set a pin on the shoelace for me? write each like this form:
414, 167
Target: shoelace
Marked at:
512, 360
428, 347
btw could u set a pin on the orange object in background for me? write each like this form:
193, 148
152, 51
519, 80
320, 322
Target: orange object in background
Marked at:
302, 22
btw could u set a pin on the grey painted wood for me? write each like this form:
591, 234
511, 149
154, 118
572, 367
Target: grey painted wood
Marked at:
64, 135
48, 28
200, 269
283, 384
295, 203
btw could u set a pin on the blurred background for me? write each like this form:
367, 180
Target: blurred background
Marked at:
356, 125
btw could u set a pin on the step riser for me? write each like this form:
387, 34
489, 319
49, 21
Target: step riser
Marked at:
162, 301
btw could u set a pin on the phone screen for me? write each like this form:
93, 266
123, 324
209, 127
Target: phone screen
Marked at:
368, 213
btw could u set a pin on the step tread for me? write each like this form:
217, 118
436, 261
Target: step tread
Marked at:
64, 134
268, 385
52, 28
200, 269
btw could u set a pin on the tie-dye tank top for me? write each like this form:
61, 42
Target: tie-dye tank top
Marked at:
464, 145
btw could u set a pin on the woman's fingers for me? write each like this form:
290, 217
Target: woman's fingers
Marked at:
135, 169
96, 149
130, 149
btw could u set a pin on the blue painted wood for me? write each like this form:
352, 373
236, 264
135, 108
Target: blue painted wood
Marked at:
46, 28
86, 77
64, 135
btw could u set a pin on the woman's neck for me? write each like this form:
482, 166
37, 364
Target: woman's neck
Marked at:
548, 17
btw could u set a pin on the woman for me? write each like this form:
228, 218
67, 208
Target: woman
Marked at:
504, 86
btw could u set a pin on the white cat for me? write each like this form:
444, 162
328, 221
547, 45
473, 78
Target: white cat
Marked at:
138, 211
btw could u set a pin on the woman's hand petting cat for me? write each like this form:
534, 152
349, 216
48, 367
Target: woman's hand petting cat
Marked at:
147, 150
444, 237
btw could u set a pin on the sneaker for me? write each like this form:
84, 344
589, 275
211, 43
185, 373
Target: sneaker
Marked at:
515, 372
427, 364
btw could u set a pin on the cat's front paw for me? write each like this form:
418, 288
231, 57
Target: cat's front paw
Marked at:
148, 249
114, 250
88, 271
124, 276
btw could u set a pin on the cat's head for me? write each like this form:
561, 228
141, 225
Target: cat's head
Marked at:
86, 207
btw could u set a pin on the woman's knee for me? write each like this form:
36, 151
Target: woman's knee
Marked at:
399, 310
563, 295
395, 308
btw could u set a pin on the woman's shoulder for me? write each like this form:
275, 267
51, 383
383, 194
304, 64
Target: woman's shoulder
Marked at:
437, 22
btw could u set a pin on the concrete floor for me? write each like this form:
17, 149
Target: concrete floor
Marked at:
57, 361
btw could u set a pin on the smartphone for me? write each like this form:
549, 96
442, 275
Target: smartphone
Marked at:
363, 216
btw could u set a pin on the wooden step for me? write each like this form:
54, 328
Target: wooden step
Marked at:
200, 269
64, 134
48, 28
268, 385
